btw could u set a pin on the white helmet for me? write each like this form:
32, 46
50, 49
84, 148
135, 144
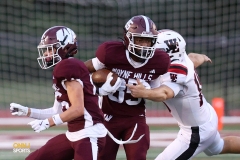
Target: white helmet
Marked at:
172, 43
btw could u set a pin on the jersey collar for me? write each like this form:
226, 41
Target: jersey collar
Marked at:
134, 63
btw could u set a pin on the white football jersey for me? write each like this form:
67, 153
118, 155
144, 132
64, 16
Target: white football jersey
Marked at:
188, 107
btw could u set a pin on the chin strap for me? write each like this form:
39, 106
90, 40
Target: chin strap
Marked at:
71, 51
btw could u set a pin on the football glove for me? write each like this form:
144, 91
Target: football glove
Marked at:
18, 110
39, 125
107, 88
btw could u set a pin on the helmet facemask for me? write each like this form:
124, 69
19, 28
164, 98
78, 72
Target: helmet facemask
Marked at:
143, 52
46, 58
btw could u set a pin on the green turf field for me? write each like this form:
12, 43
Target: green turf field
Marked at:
153, 151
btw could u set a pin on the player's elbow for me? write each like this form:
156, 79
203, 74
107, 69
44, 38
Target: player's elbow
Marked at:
77, 111
162, 97
163, 93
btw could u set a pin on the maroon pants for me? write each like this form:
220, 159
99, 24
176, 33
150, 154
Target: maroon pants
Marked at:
122, 128
60, 148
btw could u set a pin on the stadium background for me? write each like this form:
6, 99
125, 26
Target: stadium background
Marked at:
209, 27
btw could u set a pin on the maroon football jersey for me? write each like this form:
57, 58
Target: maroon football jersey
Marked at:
121, 103
70, 69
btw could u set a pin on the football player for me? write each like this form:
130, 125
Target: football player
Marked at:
75, 102
181, 92
133, 58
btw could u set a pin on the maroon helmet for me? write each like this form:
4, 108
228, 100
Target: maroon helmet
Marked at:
61, 41
140, 26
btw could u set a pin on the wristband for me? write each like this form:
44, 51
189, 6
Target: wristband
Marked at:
57, 120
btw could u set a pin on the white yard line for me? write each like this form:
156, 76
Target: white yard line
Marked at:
150, 120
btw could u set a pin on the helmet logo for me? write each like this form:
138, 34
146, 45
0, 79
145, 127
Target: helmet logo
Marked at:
43, 40
63, 41
128, 24
173, 77
173, 46
65, 36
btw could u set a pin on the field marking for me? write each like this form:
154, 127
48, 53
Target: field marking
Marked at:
150, 120
38, 140
157, 138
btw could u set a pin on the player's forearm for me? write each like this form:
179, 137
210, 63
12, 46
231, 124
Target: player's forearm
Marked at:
89, 66
42, 113
157, 94
72, 113
45, 113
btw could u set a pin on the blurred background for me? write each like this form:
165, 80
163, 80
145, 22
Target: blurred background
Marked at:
210, 27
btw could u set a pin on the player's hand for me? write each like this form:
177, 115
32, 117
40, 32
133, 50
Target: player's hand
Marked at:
107, 88
39, 125
18, 110
137, 90
207, 59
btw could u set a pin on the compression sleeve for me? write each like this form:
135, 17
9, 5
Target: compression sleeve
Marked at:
46, 113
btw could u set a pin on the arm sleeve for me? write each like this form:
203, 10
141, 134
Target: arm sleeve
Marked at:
97, 64
174, 80
155, 83
101, 53
46, 113
174, 86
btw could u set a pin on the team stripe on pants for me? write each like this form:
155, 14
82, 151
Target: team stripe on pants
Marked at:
194, 142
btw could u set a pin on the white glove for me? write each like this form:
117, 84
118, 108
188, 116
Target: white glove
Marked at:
39, 125
107, 88
18, 110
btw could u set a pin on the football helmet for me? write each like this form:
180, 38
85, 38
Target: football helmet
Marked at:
140, 26
57, 43
172, 43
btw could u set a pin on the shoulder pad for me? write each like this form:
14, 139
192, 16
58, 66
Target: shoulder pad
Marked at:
177, 73
178, 68
69, 69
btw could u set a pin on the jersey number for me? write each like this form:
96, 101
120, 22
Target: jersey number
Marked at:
199, 86
119, 95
